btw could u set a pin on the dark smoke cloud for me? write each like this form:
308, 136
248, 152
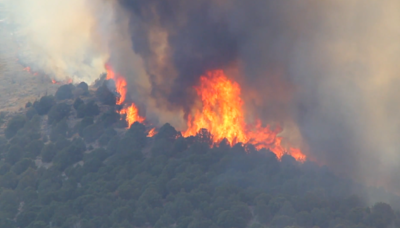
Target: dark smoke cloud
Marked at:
198, 41
328, 66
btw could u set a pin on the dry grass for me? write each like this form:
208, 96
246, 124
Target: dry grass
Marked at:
17, 87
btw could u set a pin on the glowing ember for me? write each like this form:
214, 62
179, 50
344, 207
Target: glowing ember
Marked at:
223, 117
27, 69
68, 81
152, 132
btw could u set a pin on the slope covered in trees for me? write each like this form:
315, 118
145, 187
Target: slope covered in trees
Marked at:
67, 162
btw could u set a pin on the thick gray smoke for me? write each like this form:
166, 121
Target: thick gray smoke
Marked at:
330, 66
69, 39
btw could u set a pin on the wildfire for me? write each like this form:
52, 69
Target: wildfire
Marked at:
223, 117
132, 115
120, 84
68, 81
131, 112
27, 69
152, 132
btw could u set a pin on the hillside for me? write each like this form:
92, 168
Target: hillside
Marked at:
18, 86
68, 161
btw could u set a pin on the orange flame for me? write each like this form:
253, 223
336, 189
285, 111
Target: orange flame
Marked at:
223, 117
68, 81
152, 132
132, 115
27, 69
120, 84
131, 112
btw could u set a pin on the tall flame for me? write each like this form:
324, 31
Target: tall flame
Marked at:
120, 84
132, 115
222, 115
131, 112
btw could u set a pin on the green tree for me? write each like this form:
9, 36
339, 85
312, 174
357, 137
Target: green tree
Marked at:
129, 190
84, 87
14, 154
139, 217
15, 124
164, 221
105, 96
382, 215
59, 130
9, 203
357, 215
25, 218
34, 148
48, 152
37, 224
92, 132
92, 109
64, 92
320, 217
4, 168
9, 180
58, 112
28, 179
44, 105
78, 102
151, 197
22, 165
30, 113
121, 214
85, 122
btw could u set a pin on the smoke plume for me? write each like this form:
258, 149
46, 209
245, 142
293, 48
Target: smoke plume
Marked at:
325, 70
331, 67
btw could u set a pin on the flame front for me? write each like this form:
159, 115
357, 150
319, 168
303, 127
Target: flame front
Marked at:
222, 115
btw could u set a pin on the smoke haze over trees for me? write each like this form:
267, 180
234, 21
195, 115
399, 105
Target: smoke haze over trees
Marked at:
326, 70
53, 175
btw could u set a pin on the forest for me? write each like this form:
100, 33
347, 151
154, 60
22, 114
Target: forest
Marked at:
68, 161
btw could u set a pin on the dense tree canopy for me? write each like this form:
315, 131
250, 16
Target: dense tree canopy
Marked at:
94, 174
